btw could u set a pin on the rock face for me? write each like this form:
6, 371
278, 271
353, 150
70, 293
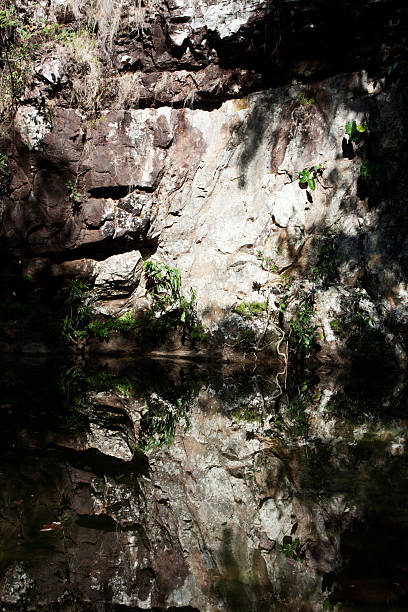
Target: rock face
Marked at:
236, 193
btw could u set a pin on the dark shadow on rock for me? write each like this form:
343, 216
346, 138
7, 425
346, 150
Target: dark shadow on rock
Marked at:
251, 137
348, 149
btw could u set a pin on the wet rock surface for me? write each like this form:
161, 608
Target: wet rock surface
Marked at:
262, 501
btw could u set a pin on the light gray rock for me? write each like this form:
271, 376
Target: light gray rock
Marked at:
117, 275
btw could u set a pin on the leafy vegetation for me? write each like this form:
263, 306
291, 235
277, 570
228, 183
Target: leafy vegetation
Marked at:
304, 332
4, 164
370, 170
308, 177
247, 414
159, 422
198, 334
78, 322
20, 39
75, 381
291, 550
361, 333
304, 100
267, 263
296, 409
75, 322
169, 310
245, 339
339, 328
356, 132
73, 195
167, 402
164, 286
15, 51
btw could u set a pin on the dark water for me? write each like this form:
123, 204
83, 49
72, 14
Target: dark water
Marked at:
174, 485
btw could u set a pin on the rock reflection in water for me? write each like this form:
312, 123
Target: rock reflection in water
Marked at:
157, 485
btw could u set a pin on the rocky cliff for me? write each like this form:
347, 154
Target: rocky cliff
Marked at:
159, 135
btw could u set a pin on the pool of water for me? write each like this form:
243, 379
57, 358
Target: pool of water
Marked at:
168, 484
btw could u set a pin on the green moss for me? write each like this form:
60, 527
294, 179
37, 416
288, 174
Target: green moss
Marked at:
248, 310
246, 413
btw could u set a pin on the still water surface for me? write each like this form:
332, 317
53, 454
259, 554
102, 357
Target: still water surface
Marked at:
173, 485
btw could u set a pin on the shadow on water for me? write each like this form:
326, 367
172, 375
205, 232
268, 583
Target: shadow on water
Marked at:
375, 570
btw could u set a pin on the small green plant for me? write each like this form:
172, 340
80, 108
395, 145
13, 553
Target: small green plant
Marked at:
198, 334
158, 424
361, 334
245, 339
55, 32
304, 100
8, 17
329, 606
304, 332
124, 388
282, 303
16, 53
169, 310
339, 328
75, 322
356, 132
286, 282
99, 329
308, 176
165, 292
73, 195
4, 164
266, 262
296, 409
77, 288
126, 322
167, 402
291, 550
